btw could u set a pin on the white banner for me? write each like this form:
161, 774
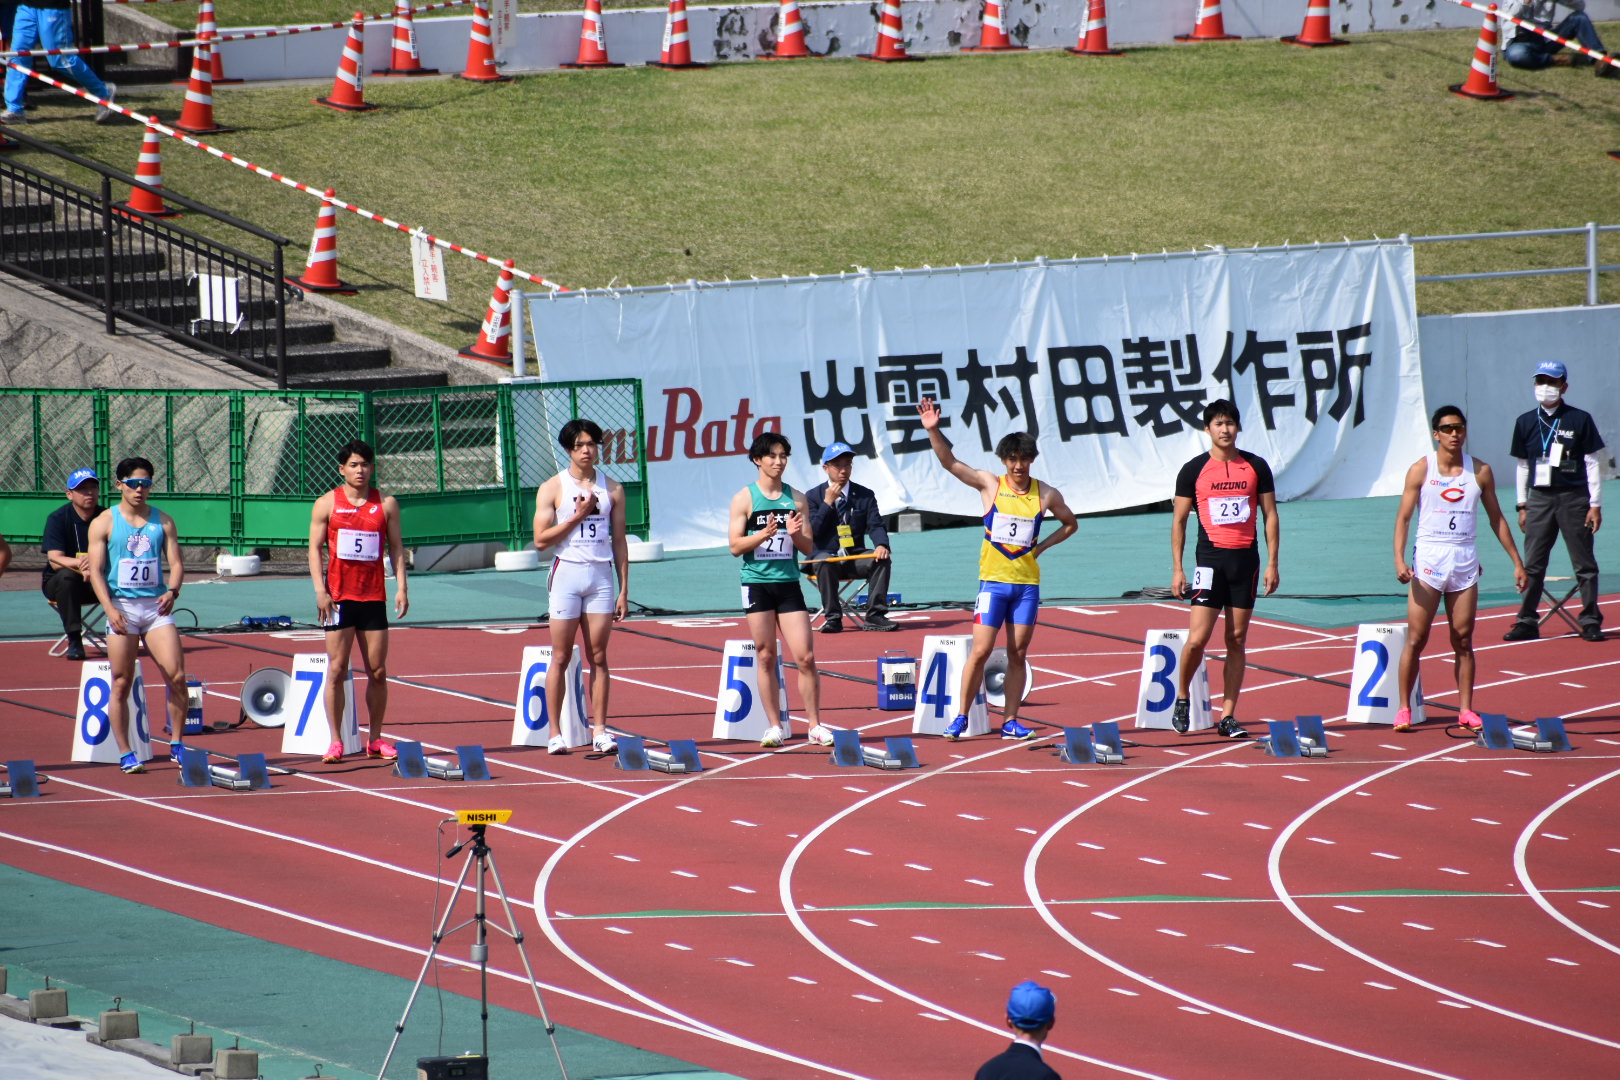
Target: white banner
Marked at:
427, 268
1108, 363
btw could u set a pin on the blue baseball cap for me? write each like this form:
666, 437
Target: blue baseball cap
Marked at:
79, 476
1030, 1006
1553, 369
836, 451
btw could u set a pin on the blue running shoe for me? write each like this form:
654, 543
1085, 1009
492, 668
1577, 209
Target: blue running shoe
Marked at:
130, 764
174, 749
1012, 729
956, 728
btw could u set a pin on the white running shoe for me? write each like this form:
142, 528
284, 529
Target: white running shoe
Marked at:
820, 736
557, 745
604, 744
773, 738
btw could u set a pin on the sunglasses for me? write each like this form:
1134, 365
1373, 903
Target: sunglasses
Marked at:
137, 482
1452, 429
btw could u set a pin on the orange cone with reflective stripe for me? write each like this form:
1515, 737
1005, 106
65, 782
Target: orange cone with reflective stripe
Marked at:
348, 88
216, 62
1318, 30
1094, 33
197, 117
1481, 82
891, 42
481, 51
321, 268
790, 43
993, 35
403, 59
1211, 26
149, 170
677, 52
592, 42
495, 336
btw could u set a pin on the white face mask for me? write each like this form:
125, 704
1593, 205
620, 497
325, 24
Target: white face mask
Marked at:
1548, 395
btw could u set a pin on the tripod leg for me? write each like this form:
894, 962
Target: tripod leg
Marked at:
433, 951
511, 930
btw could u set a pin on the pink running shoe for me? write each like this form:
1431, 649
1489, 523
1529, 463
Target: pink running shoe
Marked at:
1468, 718
334, 754
381, 748
1403, 719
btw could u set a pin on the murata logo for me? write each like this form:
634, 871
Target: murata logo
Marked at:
701, 438
1453, 494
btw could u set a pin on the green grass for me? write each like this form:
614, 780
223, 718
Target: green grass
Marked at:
640, 176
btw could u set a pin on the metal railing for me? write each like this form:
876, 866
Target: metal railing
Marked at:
146, 270
1591, 267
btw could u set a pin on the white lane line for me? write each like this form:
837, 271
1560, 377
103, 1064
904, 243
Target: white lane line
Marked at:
319, 924
1045, 911
790, 908
1522, 871
1274, 871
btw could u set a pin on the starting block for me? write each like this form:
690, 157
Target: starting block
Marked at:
1282, 740
1548, 738
1082, 746
1312, 736
1110, 748
896, 753
414, 765
22, 782
679, 759
195, 771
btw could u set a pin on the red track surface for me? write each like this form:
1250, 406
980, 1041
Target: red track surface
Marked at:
1412, 905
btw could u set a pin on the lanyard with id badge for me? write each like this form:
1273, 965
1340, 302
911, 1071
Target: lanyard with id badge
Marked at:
1552, 455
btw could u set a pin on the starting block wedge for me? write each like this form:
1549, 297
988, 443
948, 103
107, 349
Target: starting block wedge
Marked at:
254, 771
1105, 741
1312, 736
1077, 748
847, 751
683, 752
410, 763
632, 754
22, 782
1551, 729
1494, 733
194, 767
1282, 739
195, 771
901, 750
473, 765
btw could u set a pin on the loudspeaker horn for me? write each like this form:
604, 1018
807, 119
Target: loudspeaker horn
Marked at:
995, 678
265, 695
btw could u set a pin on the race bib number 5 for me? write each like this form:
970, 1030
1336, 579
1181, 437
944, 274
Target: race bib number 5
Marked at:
1010, 530
359, 545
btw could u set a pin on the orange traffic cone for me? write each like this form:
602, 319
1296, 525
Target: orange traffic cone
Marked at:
1210, 25
205, 21
403, 59
1481, 82
495, 336
677, 52
1317, 30
891, 42
1094, 33
348, 88
321, 268
149, 170
790, 44
993, 32
197, 117
481, 50
592, 42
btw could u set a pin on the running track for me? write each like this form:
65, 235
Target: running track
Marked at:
1412, 906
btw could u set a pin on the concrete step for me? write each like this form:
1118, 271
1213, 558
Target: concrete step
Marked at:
302, 335
368, 379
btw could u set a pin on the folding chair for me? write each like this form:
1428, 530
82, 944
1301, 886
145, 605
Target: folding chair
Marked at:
846, 589
1557, 607
92, 623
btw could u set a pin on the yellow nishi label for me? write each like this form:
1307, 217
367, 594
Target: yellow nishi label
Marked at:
483, 817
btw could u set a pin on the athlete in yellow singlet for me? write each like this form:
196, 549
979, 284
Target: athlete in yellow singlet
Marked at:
1015, 504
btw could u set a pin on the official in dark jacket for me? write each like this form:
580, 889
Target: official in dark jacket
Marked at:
842, 515
65, 544
1031, 1010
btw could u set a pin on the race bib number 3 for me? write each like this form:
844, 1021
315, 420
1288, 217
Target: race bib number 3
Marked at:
137, 573
1229, 510
1203, 578
359, 545
1010, 530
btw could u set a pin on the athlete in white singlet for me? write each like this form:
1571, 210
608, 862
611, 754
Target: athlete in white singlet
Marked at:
579, 514
1446, 490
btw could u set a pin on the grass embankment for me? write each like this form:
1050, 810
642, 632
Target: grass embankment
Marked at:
641, 176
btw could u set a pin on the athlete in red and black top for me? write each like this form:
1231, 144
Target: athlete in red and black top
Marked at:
1231, 489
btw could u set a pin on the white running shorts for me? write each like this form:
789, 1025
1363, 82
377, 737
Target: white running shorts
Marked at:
577, 587
140, 614
1446, 568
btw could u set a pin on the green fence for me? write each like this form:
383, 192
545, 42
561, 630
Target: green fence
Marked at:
239, 469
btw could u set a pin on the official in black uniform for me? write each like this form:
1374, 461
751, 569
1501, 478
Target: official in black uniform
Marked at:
1031, 1009
842, 515
1560, 490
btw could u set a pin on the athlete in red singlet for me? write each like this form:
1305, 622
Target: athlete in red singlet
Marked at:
354, 521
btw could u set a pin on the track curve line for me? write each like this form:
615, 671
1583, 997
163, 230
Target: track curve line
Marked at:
791, 910
1274, 871
1523, 871
1045, 912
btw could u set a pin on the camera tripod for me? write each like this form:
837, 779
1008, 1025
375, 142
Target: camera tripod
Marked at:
480, 856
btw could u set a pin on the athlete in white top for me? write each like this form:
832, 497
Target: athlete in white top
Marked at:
1446, 489
579, 513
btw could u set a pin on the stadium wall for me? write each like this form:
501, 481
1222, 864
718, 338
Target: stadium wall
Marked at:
1484, 363
546, 40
